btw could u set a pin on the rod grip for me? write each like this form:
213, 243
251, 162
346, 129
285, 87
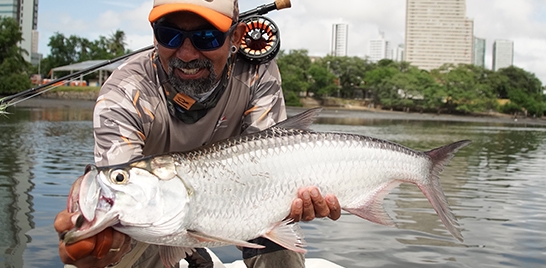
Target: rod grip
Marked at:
281, 4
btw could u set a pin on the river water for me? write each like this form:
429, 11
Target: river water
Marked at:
496, 188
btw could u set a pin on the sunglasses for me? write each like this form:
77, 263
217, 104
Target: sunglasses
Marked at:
173, 38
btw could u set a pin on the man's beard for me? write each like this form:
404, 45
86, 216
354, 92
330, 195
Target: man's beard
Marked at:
192, 87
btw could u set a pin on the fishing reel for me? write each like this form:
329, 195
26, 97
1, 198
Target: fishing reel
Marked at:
261, 41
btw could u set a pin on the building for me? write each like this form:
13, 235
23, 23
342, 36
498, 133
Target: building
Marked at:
503, 54
26, 13
399, 53
340, 38
379, 49
438, 32
478, 56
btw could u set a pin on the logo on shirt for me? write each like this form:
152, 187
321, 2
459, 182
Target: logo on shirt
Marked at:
222, 123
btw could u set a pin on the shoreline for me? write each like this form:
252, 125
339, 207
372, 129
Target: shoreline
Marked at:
327, 112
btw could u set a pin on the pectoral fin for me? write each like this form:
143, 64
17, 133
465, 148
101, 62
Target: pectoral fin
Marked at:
209, 238
287, 235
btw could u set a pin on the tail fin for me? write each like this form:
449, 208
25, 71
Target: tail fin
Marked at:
440, 157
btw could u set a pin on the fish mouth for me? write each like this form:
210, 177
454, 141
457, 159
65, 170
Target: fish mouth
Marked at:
85, 229
95, 204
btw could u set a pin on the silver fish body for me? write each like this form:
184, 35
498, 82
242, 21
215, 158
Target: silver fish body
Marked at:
242, 188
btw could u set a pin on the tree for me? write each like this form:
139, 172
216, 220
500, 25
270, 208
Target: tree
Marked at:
62, 52
377, 81
14, 75
524, 91
293, 67
67, 50
349, 73
323, 81
466, 88
116, 44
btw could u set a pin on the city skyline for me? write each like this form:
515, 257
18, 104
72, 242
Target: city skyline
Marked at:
308, 24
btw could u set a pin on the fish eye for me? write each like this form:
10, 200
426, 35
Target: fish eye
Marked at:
119, 176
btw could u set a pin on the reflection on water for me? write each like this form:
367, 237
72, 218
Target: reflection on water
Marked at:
43, 151
496, 187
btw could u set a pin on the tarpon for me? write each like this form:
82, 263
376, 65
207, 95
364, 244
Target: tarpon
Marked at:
242, 188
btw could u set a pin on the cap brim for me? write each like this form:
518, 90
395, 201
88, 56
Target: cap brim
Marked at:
219, 20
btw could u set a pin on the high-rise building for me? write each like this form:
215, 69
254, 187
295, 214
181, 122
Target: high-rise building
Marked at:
399, 53
26, 13
340, 37
438, 32
478, 57
503, 54
379, 49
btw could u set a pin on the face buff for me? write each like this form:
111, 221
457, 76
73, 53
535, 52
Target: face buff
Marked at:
177, 91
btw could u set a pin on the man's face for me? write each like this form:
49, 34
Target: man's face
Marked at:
190, 70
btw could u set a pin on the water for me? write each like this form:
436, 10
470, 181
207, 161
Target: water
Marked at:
496, 187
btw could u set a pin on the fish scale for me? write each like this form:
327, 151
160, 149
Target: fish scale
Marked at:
289, 150
241, 188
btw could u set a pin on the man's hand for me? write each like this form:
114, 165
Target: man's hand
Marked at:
101, 250
310, 204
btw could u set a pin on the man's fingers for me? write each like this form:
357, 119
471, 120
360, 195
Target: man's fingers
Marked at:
63, 221
321, 208
62, 253
308, 208
333, 205
296, 210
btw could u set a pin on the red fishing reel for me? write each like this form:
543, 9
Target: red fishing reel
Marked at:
261, 42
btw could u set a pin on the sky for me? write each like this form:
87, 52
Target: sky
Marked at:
308, 24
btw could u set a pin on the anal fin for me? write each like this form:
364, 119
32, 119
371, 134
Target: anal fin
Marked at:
170, 256
287, 235
209, 238
372, 210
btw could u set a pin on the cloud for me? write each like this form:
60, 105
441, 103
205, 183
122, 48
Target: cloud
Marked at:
128, 17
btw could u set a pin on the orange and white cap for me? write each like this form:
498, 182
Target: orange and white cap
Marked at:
220, 13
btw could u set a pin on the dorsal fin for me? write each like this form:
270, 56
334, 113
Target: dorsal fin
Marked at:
300, 121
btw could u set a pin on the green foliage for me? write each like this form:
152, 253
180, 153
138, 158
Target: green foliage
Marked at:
14, 75
399, 85
350, 72
466, 88
323, 82
72, 49
291, 98
523, 89
293, 67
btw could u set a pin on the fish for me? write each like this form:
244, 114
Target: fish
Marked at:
241, 188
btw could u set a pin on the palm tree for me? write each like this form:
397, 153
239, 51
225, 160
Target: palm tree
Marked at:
116, 43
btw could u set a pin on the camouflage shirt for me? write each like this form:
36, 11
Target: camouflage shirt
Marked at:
131, 118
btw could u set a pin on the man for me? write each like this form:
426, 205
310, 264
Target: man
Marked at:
191, 90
